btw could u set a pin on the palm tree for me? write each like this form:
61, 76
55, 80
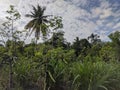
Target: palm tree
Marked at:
39, 22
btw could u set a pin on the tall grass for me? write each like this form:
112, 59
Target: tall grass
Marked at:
95, 76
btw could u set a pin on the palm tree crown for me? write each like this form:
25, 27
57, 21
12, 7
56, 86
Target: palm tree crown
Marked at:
39, 22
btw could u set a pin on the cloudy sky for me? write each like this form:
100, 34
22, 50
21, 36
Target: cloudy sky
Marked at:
80, 17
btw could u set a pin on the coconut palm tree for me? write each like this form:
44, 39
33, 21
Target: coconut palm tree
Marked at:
39, 22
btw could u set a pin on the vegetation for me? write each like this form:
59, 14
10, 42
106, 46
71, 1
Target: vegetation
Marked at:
55, 64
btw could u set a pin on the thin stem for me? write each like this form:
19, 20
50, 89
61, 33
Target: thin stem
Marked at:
10, 62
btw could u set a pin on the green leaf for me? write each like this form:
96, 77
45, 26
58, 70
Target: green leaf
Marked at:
75, 79
51, 76
105, 88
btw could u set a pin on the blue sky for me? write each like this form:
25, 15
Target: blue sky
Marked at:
80, 17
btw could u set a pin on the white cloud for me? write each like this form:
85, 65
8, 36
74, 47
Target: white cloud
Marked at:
4, 5
117, 26
13, 2
104, 4
78, 2
69, 12
110, 24
106, 13
77, 21
103, 11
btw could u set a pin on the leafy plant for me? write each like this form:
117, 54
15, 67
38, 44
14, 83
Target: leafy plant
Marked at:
95, 76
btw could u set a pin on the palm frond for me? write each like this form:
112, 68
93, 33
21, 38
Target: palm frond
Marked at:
40, 22
29, 15
30, 24
34, 9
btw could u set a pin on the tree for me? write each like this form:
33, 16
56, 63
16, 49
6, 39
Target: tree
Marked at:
107, 52
57, 40
76, 46
81, 46
94, 38
115, 37
41, 23
9, 33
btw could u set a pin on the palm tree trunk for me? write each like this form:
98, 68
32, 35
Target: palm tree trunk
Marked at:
36, 44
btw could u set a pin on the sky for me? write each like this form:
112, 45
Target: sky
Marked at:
80, 17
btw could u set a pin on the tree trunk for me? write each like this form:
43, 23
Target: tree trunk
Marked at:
36, 45
10, 75
10, 63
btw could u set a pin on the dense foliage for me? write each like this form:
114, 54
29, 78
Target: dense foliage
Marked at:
55, 64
